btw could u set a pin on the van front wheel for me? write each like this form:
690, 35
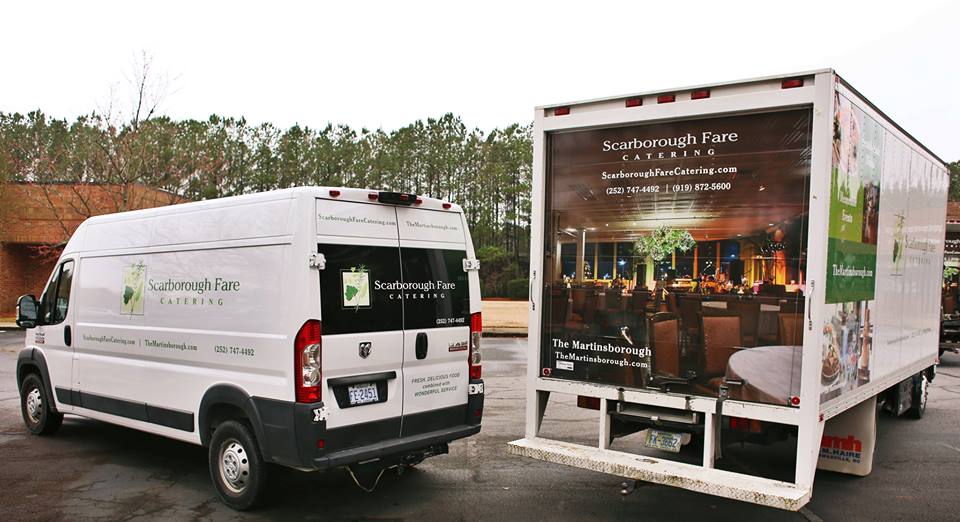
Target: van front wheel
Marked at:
236, 466
37, 414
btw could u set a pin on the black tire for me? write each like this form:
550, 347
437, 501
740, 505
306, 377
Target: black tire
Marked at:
236, 466
35, 407
918, 396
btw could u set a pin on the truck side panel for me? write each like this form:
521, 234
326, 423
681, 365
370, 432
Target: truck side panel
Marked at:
886, 228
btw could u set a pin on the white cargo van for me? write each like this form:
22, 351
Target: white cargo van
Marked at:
744, 261
309, 327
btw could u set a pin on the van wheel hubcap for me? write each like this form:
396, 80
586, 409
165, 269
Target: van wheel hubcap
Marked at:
34, 405
234, 465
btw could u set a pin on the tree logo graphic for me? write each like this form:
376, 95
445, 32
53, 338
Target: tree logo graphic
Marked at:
132, 294
356, 287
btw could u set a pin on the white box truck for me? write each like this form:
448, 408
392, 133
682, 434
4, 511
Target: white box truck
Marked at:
310, 327
747, 261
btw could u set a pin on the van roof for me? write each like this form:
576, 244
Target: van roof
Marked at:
270, 220
345, 194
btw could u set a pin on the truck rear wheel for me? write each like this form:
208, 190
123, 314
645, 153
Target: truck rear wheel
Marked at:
236, 467
38, 416
918, 396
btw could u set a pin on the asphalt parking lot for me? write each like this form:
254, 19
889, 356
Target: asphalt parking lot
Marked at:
92, 470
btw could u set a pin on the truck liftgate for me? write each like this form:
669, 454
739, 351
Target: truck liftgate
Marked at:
737, 486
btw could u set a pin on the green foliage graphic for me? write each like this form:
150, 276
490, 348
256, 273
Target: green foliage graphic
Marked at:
351, 292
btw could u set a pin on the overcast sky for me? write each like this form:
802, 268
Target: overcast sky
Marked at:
388, 64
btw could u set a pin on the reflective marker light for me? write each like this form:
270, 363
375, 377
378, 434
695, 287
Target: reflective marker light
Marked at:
561, 111
700, 94
791, 83
373, 196
447, 205
334, 193
419, 201
590, 403
634, 102
666, 98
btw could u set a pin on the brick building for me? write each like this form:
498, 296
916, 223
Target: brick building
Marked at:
36, 221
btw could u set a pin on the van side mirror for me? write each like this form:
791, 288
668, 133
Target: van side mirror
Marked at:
27, 311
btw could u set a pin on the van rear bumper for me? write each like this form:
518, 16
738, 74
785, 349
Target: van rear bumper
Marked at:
391, 448
296, 435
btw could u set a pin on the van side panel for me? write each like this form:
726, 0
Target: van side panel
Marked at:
156, 330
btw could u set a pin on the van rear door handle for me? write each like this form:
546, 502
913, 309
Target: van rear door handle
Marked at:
67, 336
422, 345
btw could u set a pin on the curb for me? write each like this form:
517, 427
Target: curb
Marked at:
505, 332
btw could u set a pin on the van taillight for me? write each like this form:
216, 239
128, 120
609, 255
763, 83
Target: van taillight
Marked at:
476, 331
307, 356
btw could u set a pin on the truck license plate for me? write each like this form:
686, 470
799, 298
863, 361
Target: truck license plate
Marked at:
663, 440
362, 393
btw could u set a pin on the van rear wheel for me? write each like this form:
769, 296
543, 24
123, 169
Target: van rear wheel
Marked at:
38, 416
236, 467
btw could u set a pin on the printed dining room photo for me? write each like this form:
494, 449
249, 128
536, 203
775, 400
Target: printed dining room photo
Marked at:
678, 254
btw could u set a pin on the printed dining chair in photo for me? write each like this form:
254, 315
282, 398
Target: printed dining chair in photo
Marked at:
749, 312
639, 301
559, 304
721, 339
791, 306
579, 295
791, 329
665, 344
689, 311
589, 314
672, 303
614, 312
638, 310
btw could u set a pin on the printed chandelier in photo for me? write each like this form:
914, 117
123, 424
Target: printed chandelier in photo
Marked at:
663, 241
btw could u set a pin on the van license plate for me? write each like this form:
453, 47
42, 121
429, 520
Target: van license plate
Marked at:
663, 440
362, 393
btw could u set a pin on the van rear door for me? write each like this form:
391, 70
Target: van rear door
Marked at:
436, 297
362, 328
